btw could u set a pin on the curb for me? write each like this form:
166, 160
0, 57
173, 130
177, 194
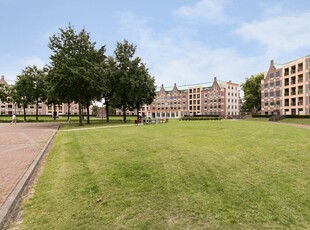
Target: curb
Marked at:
12, 200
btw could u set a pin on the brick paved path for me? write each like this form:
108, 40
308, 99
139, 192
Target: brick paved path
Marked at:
20, 144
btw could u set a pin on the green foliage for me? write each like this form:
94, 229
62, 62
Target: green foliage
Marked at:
252, 92
4, 93
179, 175
135, 86
75, 67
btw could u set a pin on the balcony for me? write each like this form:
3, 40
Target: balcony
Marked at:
286, 104
300, 92
300, 103
293, 104
293, 82
293, 93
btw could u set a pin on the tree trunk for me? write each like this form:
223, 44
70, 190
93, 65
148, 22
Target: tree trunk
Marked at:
54, 112
87, 109
24, 113
106, 100
80, 112
68, 110
138, 108
124, 115
37, 109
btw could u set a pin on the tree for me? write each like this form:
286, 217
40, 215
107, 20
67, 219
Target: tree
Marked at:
22, 91
134, 85
3, 92
144, 89
74, 67
33, 79
252, 92
109, 82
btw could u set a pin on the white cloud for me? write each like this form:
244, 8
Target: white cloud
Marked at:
280, 34
176, 57
207, 11
33, 60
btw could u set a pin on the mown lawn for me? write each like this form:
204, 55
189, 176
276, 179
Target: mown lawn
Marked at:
179, 175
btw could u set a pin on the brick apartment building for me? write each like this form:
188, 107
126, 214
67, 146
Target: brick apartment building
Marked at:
8, 108
286, 88
212, 98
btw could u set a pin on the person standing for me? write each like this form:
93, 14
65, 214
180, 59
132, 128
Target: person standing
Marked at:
13, 119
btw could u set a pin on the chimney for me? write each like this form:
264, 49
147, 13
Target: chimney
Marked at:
2, 77
214, 78
271, 62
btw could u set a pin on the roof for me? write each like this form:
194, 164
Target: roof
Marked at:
3, 81
185, 87
278, 66
307, 56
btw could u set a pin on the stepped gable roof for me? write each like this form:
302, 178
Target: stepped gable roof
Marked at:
3, 81
184, 88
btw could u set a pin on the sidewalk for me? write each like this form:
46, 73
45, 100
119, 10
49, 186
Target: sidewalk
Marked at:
21, 147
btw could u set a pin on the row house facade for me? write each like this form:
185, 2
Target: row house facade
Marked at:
9, 107
213, 98
286, 88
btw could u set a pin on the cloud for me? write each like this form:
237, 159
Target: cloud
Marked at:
33, 60
175, 56
206, 11
279, 34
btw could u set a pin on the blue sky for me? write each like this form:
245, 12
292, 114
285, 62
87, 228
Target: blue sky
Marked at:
181, 42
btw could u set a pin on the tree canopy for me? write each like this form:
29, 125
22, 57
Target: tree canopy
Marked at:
135, 86
252, 92
75, 67
80, 72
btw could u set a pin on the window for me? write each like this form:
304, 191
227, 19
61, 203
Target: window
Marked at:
271, 94
271, 84
266, 85
278, 93
265, 94
271, 75
277, 83
277, 74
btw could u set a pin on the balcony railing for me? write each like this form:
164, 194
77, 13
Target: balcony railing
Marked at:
286, 104
293, 104
293, 93
293, 82
300, 103
286, 94
300, 91
293, 71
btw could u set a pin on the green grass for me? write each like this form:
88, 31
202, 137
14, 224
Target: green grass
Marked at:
179, 175
64, 119
301, 121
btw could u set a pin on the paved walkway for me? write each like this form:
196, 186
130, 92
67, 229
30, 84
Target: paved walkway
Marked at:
21, 145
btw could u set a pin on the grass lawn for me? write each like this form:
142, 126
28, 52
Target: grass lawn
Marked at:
301, 121
179, 175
